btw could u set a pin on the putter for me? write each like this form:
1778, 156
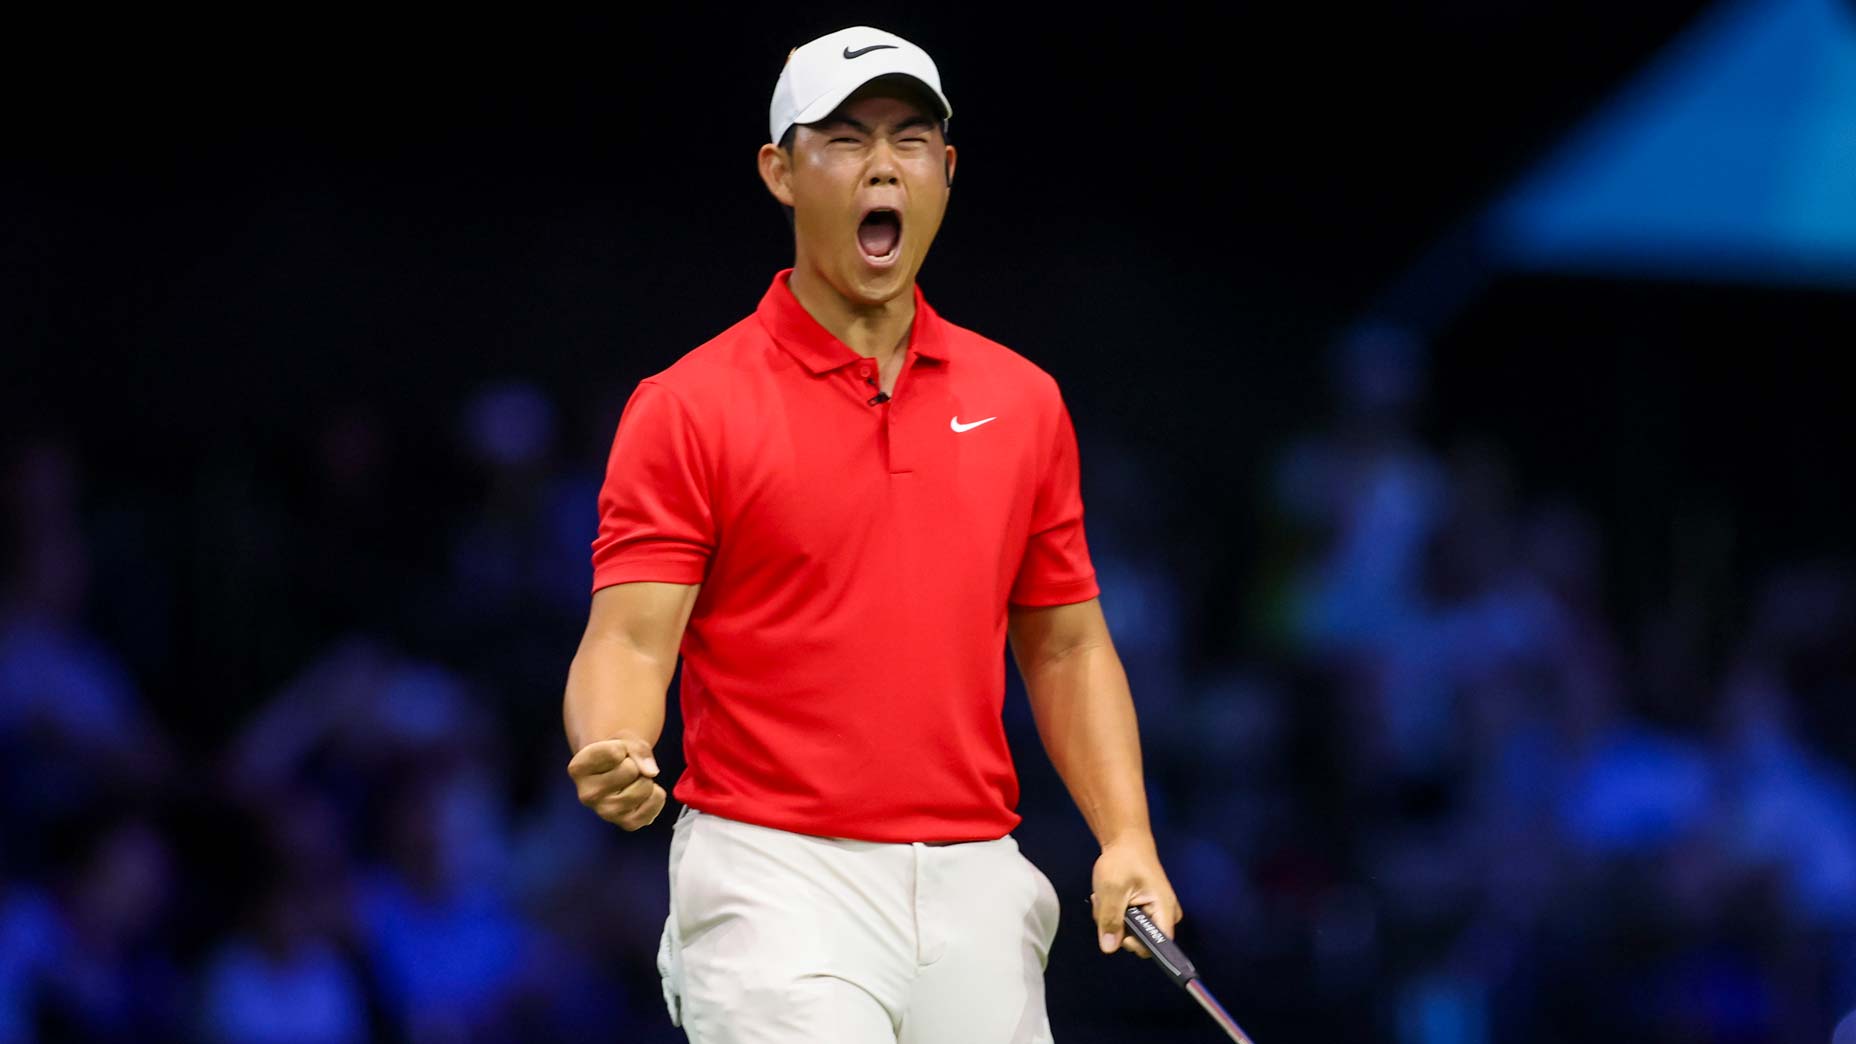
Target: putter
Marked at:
1172, 960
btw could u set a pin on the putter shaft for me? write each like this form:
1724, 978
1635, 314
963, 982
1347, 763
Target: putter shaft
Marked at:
1173, 961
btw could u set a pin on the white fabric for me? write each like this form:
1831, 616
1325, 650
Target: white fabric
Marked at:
818, 76
782, 938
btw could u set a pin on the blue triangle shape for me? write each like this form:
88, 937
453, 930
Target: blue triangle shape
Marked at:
1732, 157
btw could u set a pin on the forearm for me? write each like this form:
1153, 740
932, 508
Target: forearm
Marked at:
614, 686
1085, 716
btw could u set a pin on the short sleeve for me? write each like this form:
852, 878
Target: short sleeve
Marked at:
655, 519
1056, 569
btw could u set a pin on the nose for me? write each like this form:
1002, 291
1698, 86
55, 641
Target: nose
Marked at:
882, 169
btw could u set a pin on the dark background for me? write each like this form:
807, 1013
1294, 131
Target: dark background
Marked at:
257, 277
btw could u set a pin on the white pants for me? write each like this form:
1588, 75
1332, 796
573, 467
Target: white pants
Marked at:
782, 937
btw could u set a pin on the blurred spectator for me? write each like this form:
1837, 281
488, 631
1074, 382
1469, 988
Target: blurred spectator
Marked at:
524, 543
71, 720
29, 939
1368, 491
514, 597
107, 973
1142, 599
1792, 810
290, 972
282, 982
440, 933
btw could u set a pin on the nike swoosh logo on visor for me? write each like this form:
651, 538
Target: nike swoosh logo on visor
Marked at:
861, 51
954, 423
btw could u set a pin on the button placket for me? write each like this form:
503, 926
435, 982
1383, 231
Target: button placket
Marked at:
868, 373
902, 442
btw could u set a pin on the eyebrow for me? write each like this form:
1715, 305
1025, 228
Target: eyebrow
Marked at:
838, 119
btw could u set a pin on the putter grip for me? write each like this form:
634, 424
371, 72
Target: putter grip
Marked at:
1165, 950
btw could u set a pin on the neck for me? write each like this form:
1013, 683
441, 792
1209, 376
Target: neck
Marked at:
877, 330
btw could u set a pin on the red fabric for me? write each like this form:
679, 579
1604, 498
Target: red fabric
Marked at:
844, 665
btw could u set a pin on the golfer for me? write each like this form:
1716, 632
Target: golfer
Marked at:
838, 511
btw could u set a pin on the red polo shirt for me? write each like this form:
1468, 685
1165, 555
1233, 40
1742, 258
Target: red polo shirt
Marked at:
844, 666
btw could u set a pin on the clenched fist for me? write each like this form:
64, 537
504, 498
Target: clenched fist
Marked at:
616, 777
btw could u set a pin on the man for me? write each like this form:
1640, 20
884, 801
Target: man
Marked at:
838, 510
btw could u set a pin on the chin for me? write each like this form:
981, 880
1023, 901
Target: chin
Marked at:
878, 286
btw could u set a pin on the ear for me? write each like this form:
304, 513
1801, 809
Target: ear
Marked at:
951, 157
776, 171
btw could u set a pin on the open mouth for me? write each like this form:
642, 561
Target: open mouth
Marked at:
880, 235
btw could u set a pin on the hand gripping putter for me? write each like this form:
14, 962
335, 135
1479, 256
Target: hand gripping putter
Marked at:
1172, 960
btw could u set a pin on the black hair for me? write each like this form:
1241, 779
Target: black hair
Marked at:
786, 146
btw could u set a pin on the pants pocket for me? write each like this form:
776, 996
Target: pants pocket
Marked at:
670, 943
668, 970
1045, 909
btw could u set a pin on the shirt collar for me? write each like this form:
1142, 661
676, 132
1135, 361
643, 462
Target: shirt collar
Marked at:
814, 346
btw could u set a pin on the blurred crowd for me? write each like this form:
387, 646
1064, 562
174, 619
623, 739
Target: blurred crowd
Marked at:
1440, 790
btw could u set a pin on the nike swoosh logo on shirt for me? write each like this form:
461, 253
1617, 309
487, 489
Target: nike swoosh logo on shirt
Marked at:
861, 51
954, 423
